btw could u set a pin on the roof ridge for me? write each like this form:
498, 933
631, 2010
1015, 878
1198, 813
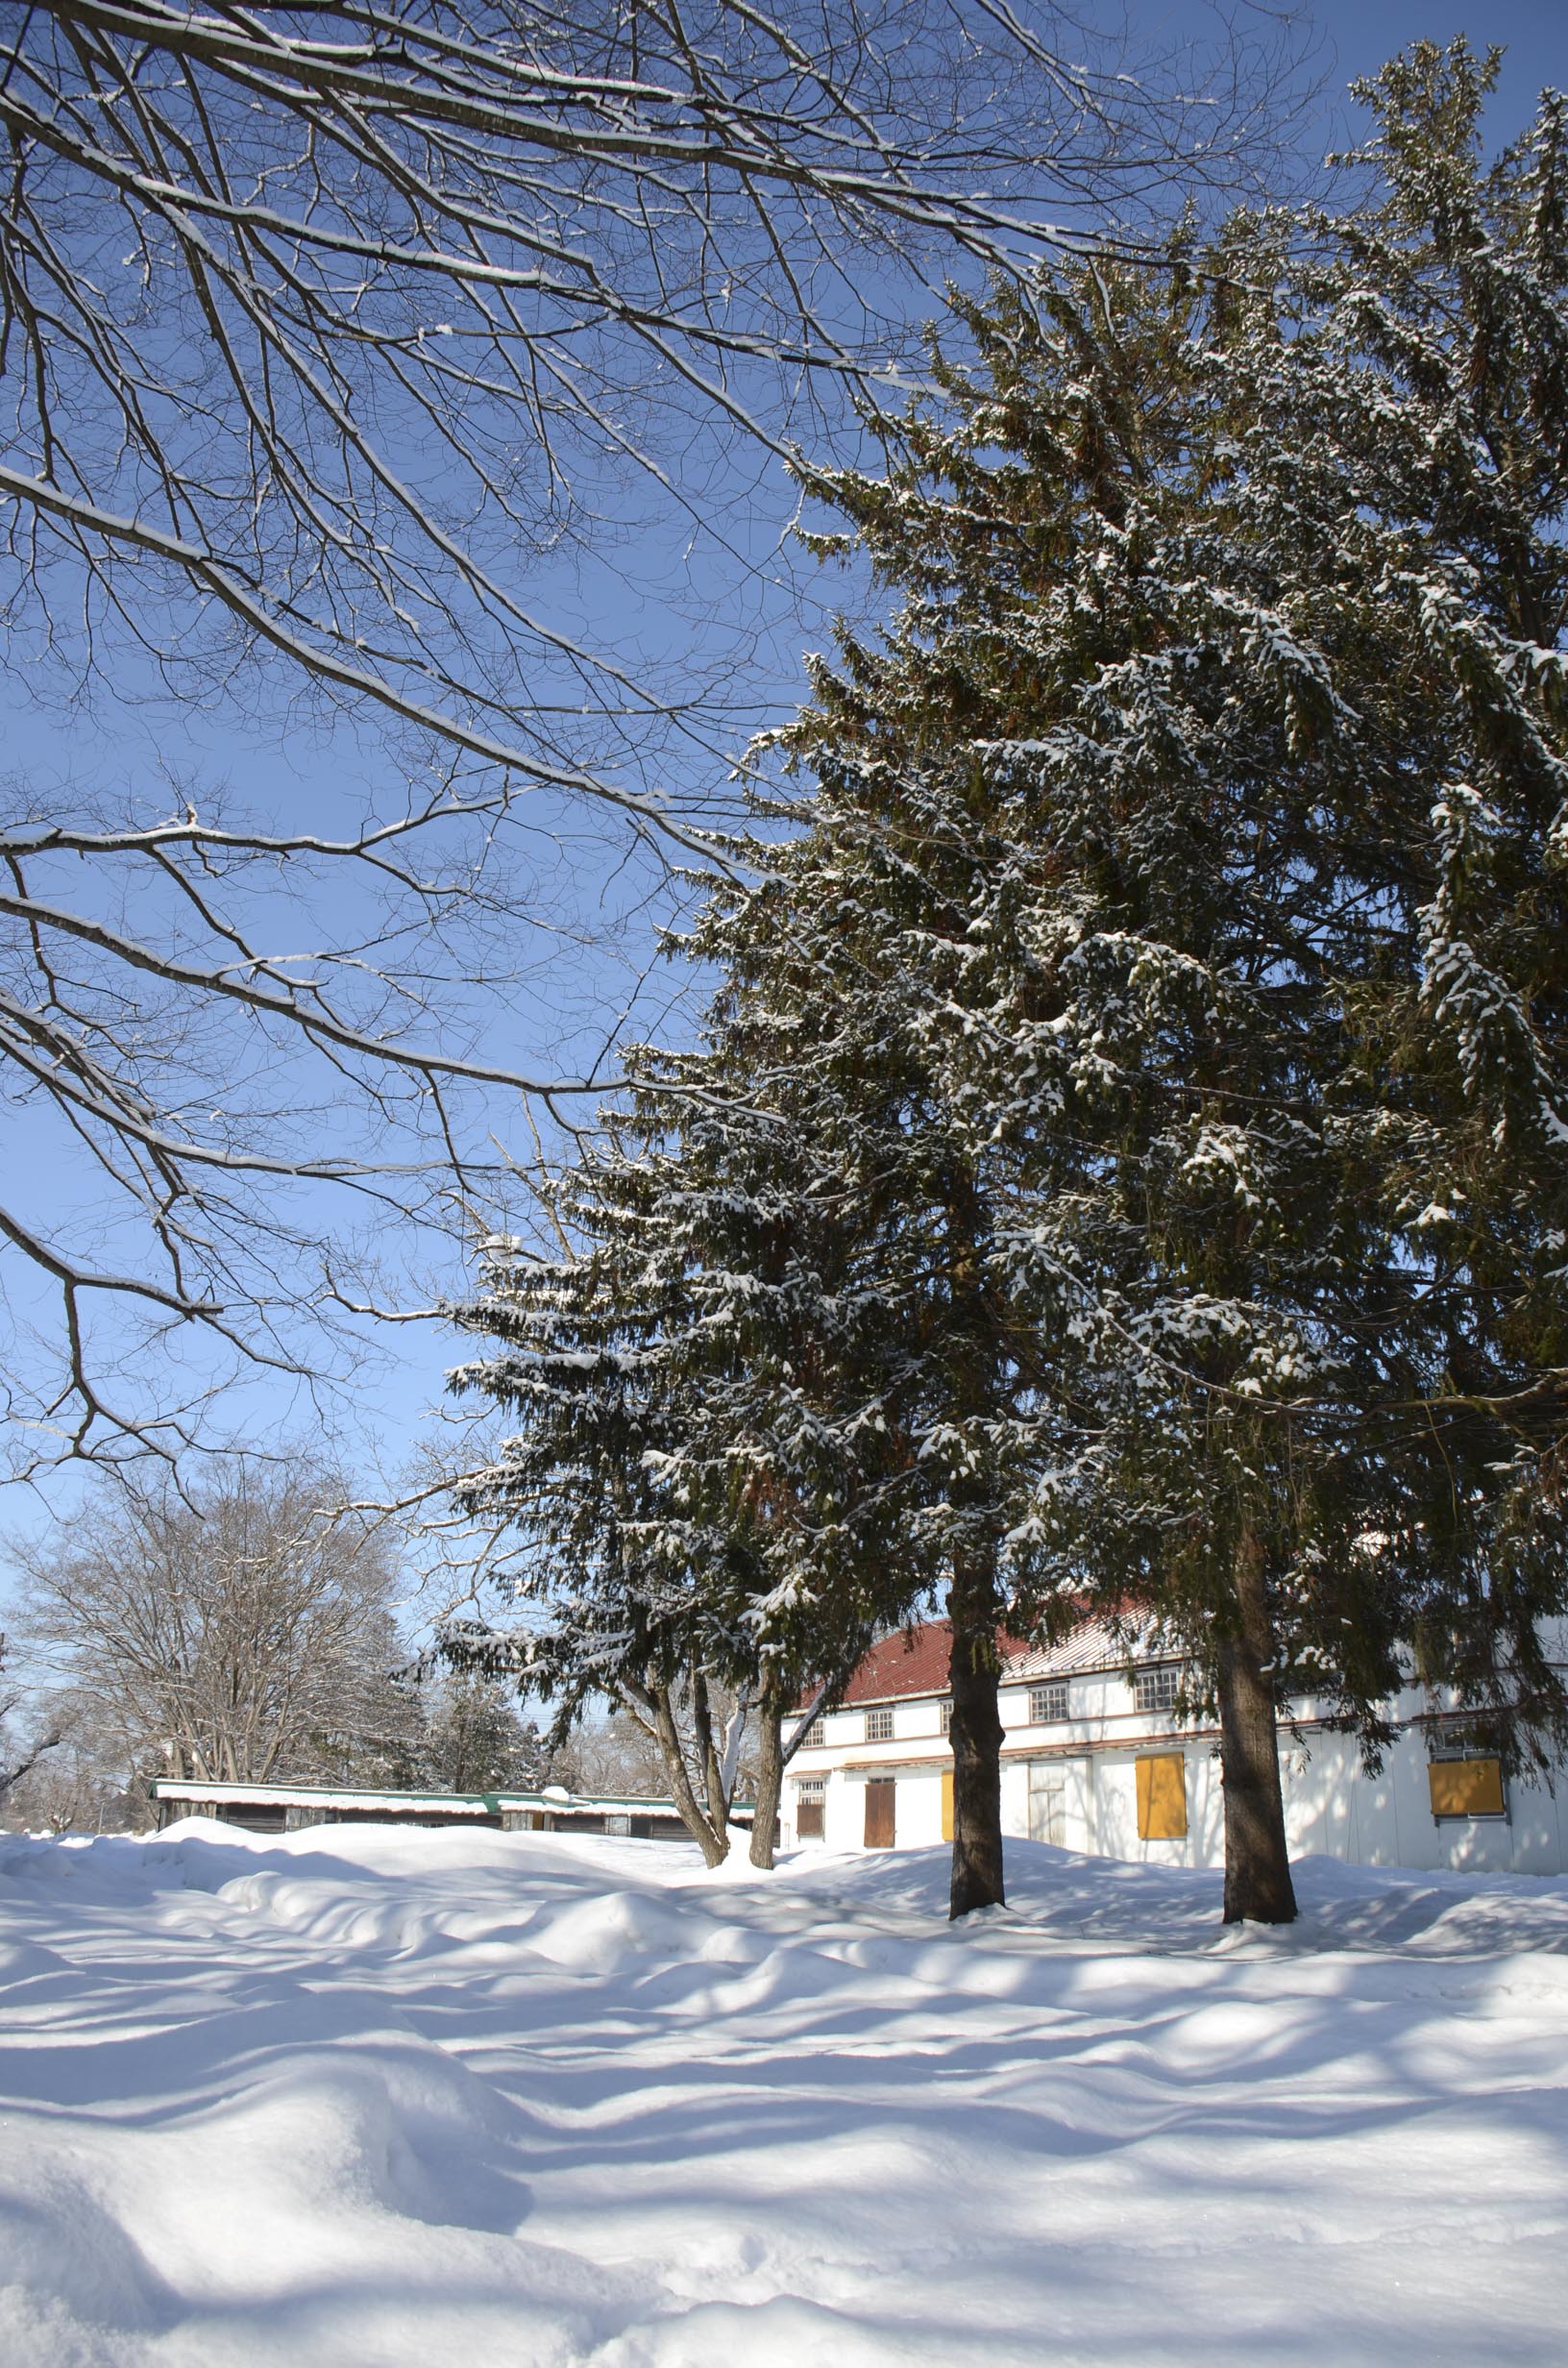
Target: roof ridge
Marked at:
912, 1658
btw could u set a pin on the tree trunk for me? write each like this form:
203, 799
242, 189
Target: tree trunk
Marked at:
1258, 1886
976, 1734
729, 1752
769, 1779
713, 1841
715, 1790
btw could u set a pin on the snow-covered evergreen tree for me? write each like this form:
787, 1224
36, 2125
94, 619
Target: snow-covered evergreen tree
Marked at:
1124, 1166
475, 1740
1197, 630
696, 1519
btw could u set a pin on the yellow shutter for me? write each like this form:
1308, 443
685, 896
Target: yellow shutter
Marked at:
946, 1804
1161, 1796
1466, 1787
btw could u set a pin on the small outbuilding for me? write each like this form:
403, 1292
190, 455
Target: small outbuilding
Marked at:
289, 1808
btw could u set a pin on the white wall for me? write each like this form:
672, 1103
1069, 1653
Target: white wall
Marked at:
1332, 1806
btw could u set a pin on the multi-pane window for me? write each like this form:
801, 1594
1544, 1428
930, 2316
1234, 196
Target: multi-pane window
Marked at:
813, 1734
879, 1726
808, 1809
1047, 1703
1157, 1688
944, 1714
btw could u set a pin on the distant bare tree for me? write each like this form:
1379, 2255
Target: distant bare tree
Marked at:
321, 331
229, 1630
45, 1733
87, 1785
618, 1756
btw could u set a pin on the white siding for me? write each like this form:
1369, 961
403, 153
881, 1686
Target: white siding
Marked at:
1331, 1804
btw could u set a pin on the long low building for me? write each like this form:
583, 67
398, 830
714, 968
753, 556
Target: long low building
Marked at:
289, 1809
1095, 1758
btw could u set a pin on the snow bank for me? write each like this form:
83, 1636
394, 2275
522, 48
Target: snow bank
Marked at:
365, 2098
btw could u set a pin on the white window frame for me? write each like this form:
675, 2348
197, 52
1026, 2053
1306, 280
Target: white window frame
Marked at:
944, 1715
1050, 1704
1155, 1688
810, 1793
879, 1724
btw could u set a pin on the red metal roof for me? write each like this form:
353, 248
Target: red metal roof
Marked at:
914, 1660
911, 1660
1092, 1644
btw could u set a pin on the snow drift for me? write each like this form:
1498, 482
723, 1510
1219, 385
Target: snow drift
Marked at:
364, 2098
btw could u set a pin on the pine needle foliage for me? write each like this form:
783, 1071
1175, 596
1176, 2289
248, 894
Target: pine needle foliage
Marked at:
1229, 654
1124, 1168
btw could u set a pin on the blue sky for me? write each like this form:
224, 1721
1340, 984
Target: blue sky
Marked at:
1534, 32
1364, 33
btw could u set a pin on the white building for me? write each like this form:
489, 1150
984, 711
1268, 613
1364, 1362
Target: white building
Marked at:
1093, 1759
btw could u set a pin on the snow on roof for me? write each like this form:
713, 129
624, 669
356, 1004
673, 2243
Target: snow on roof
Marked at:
452, 1803
319, 1797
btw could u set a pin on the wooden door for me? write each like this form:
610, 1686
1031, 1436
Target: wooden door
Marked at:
1047, 1802
880, 1819
1161, 1796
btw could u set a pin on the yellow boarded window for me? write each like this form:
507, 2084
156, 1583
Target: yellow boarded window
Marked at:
946, 1804
1161, 1796
1466, 1787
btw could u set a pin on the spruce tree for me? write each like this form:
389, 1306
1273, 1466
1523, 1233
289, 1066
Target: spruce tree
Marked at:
1122, 1168
704, 1483
1204, 603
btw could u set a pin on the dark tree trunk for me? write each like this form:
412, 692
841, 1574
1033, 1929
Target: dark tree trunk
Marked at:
770, 1778
713, 1841
707, 1752
1258, 1886
977, 1736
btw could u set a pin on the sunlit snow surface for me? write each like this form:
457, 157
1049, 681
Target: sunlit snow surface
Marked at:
370, 2099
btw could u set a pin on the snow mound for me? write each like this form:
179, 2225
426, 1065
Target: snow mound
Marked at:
374, 2098
69, 2257
626, 1927
24, 1961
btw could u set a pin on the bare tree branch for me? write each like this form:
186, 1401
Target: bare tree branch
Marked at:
15, 1763
329, 338
313, 321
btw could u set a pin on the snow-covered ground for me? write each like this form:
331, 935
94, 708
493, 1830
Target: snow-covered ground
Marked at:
368, 2099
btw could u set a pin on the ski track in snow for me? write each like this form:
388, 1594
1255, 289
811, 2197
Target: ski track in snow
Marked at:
367, 2098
